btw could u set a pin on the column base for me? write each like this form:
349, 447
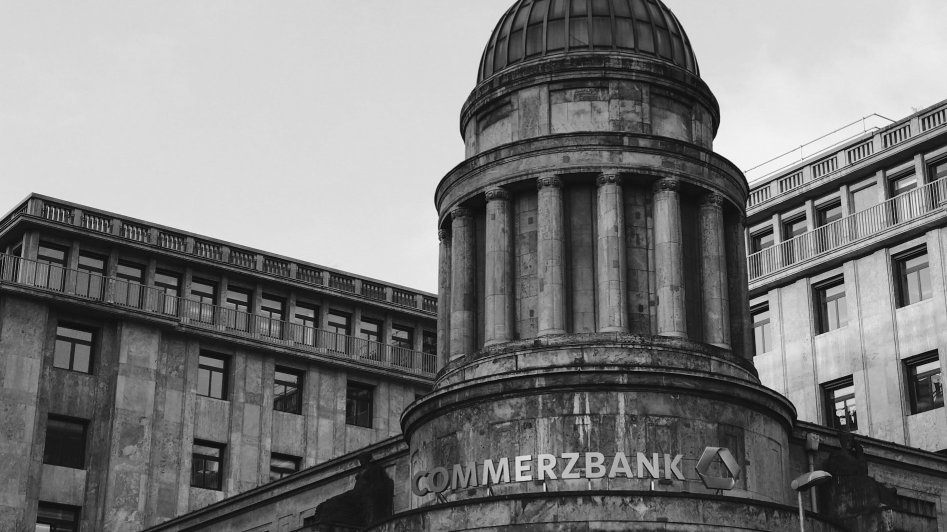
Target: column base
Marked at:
613, 330
551, 332
674, 334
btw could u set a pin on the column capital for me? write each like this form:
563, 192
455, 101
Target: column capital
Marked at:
461, 212
495, 194
548, 181
712, 199
667, 185
608, 178
443, 235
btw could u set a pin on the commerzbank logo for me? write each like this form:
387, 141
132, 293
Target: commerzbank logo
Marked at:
544, 467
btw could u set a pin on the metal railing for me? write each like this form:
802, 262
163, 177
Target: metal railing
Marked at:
154, 300
858, 226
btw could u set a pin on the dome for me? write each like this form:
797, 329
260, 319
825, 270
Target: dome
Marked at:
533, 29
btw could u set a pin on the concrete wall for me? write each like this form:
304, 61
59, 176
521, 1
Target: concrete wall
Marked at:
871, 348
144, 414
600, 105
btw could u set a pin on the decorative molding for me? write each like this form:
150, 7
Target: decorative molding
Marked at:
443, 235
667, 185
495, 194
461, 212
550, 181
608, 178
712, 199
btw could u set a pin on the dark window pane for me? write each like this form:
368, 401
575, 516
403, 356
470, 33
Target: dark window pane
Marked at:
621, 8
829, 214
534, 40
73, 349
358, 405
579, 33
558, 9
92, 263
538, 12
602, 32
645, 37
131, 272
556, 35
579, 7
626, 33
65, 443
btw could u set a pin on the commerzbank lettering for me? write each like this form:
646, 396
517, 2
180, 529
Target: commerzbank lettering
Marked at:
546, 467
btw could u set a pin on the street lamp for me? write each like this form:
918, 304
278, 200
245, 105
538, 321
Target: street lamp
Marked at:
803, 483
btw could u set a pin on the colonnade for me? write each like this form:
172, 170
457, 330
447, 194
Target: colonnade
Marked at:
458, 267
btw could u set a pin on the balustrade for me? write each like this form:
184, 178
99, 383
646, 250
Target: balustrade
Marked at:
155, 301
858, 226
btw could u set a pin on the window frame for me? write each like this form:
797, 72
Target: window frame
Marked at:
428, 348
830, 402
205, 458
822, 300
902, 273
74, 341
284, 472
333, 328
298, 385
910, 372
356, 418
57, 525
767, 334
84, 444
756, 240
225, 372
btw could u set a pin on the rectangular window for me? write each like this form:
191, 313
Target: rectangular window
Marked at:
287, 391
402, 338
56, 518
73, 349
339, 323
207, 465
903, 185
829, 213
90, 279
204, 296
238, 308
794, 228
130, 288
914, 277
938, 171
761, 241
168, 284
65, 442
50, 267
306, 324
371, 331
924, 383
271, 309
282, 465
761, 329
212, 376
841, 412
358, 405
831, 305
429, 342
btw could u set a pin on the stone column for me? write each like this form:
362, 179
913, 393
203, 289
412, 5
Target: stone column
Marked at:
610, 254
443, 298
550, 249
499, 269
713, 272
668, 259
463, 293
741, 340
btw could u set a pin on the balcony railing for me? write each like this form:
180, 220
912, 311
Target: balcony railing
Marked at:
108, 223
155, 301
859, 226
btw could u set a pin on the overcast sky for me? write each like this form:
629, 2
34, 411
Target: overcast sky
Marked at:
319, 129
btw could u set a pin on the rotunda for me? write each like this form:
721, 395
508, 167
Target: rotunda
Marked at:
594, 345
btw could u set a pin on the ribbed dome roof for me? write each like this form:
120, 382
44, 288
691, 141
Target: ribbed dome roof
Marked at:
532, 29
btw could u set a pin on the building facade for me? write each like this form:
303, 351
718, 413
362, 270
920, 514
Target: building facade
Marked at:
146, 372
847, 282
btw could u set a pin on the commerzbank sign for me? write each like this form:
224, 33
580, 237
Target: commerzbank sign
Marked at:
542, 467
